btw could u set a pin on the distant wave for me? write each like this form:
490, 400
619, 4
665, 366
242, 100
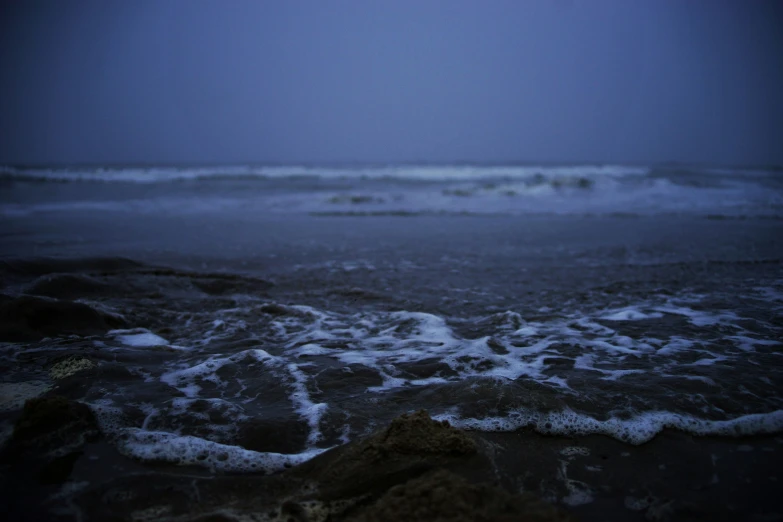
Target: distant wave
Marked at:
414, 173
406, 190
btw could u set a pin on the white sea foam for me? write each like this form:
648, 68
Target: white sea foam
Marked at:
630, 314
139, 339
305, 407
771, 294
384, 341
697, 317
636, 430
184, 377
708, 361
748, 344
152, 445
566, 352
188, 450
188, 379
579, 492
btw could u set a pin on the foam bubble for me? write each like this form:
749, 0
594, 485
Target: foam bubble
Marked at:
110, 417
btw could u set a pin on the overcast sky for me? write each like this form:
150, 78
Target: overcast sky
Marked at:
393, 80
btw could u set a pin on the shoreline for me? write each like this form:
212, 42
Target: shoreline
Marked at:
675, 476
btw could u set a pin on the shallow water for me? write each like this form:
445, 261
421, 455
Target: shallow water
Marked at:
257, 335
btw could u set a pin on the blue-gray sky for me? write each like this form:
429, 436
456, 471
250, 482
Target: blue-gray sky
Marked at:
393, 80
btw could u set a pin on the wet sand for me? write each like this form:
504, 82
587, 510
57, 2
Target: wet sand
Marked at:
58, 467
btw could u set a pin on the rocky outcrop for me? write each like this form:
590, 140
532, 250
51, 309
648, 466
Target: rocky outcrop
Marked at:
442, 496
415, 469
27, 318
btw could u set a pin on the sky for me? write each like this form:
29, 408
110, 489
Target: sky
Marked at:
308, 81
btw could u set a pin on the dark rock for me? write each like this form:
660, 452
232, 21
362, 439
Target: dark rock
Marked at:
443, 496
28, 318
46, 443
68, 286
58, 470
410, 446
53, 425
418, 434
416, 469
42, 266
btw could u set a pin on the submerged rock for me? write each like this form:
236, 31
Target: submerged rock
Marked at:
70, 366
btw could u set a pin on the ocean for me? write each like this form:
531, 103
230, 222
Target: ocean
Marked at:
234, 320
